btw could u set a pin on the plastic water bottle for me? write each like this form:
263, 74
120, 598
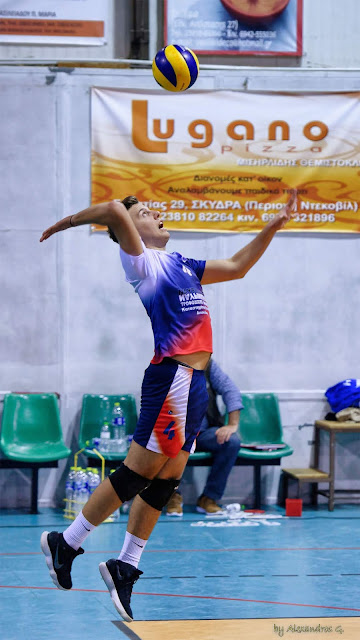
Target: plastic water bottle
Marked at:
234, 511
234, 507
95, 442
84, 492
89, 476
93, 480
79, 485
125, 507
105, 435
69, 492
97, 476
118, 429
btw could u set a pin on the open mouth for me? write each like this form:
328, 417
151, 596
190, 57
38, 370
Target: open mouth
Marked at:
161, 224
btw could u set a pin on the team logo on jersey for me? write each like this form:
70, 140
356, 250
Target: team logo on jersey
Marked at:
186, 270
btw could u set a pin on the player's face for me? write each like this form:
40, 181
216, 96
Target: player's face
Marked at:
150, 226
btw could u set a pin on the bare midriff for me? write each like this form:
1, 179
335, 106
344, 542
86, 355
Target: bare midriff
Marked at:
197, 360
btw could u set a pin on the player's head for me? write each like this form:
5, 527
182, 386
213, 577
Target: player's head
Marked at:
148, 223
127, 202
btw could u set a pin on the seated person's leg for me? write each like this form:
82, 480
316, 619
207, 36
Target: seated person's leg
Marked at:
224, 459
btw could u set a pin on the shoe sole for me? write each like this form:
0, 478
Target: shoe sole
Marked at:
174, 513
49, 561
210, 513
106, 576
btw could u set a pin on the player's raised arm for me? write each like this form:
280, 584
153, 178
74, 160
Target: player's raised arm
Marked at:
111, 214
239, 264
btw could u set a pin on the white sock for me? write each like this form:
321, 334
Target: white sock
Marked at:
78, 531
132, 549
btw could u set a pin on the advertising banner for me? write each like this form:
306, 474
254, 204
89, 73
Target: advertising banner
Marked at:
226, 161
53, 22
236, 27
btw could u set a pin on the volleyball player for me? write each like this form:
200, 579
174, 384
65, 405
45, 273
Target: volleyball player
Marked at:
173, 397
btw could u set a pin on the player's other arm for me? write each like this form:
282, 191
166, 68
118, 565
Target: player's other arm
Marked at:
241, 262
110, 214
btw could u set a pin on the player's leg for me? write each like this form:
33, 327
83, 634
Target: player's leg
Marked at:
141, 465
121, 574
152, 444
60, 549
147, 506
174, 402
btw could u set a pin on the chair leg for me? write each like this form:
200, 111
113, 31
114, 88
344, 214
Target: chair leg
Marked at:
34, 490
299, 490
285, 479
257, 485
314, 494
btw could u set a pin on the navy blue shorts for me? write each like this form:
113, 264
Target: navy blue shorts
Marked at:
174, 400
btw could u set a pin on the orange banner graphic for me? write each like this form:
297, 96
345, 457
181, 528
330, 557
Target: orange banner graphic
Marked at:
226, 161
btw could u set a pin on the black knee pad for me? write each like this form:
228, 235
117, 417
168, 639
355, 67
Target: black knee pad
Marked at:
159, 492
127, 483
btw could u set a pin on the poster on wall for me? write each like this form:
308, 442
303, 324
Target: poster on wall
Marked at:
236, 27
53, 22
226, 161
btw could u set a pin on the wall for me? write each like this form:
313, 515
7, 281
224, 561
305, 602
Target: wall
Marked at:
70, 323
330, 29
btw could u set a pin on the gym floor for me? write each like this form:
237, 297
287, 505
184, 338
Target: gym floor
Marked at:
251, 577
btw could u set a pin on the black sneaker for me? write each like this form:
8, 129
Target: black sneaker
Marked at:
59, 557
119, 578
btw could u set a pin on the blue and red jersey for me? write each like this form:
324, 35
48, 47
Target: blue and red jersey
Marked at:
169, 287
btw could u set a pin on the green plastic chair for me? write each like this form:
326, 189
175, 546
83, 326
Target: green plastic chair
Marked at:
31, 435
31, 429
97, 409
260, 423
199, 459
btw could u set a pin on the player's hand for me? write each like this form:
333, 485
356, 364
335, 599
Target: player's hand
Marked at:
61, 225
223, 434
289, 209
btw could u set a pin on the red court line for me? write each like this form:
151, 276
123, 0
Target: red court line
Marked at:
180, 595
37, 553
253, 549
11, 586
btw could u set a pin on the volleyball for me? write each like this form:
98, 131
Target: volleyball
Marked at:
175, 68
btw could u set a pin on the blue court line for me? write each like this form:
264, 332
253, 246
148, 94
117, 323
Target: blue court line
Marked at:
178, 595
102, 551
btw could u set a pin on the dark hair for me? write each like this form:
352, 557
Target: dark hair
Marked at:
128, 202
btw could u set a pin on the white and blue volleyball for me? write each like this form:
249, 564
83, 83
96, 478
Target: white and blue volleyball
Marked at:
175, 67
